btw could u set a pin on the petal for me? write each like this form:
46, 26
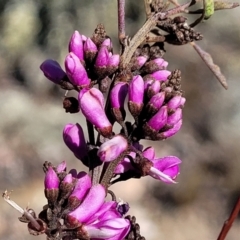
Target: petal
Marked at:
91, 204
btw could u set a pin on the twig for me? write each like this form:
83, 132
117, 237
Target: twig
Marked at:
121, 21
140, 36
228, 223
147, 8
206, 57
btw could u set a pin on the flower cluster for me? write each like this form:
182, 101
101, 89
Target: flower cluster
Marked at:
133, 89
81, 206
76, 201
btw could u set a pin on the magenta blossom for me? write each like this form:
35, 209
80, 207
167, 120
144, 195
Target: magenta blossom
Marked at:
73, 137
112, 148
168, 166
98, 219
92, 106
75, 70
76, 45
53, 71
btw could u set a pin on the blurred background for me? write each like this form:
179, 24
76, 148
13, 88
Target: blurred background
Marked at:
32, 119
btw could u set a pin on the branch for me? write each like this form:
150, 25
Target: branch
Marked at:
206, 57
228, 223
121, 20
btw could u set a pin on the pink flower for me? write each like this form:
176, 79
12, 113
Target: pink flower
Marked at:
92, 106
53, 71
112, 148
75, 70
76, 45
73, 137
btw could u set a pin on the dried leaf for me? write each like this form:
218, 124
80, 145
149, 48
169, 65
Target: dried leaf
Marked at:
206, 57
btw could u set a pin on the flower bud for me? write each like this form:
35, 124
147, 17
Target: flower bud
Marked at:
161, 75
153, 88
102, 57
73, 137
172, 131
66, 186
111, 149
159, 120
107, 43
51, 183
138, 62
70, 104
174, 118
76, 71
154, 65
76, 45
117, 98
136, 93
155, 103
176, 102
61, 167
82, 185
91, 103
53, 71
113, 63
90, 205
90, 50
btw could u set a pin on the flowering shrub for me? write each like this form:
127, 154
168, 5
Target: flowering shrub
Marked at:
77, 207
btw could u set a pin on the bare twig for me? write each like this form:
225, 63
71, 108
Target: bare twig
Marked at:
24, 212
140, 36
206, 57
121, 20
147, 8
228, 223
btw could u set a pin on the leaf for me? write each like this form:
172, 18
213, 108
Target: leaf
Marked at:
208, 8
206, 57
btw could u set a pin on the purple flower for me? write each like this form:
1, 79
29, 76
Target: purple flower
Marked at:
90, 49
76, 71
160, 62
51, 180
140, 61
90, 205
113, 61
53, 71
107, 43
149, 153
92, 106
153, 88
61, 167
176, 102
168, 166
157, 101
112, 148
159, 120
102, 57
51, 183
175, 117
111, 229
82, 186
136, 90
172, 131
118, 95
73, 137
76, 45
161, 75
